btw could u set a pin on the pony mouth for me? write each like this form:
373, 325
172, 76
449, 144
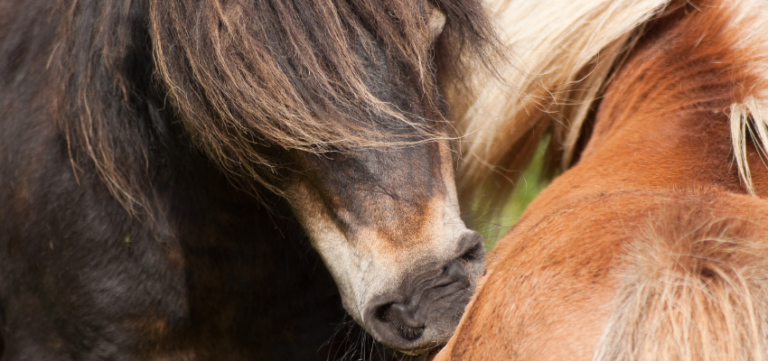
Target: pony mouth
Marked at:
428, 353
425, 310
417, 328
415, 353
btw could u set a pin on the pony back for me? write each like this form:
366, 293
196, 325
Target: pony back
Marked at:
691, 290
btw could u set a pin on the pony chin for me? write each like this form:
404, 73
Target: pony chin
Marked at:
408, 294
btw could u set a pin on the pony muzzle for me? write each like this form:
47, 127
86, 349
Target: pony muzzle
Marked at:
425, 310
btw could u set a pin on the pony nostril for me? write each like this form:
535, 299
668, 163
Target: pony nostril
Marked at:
476, 250
455, 271
382, 312
473, 253
402, 319
405, 315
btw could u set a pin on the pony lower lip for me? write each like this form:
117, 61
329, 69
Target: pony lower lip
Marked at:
414, 353
432, 354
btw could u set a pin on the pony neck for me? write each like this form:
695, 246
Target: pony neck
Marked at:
665, 120
669, 107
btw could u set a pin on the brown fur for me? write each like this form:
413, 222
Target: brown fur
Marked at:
650, 246
553, 294
693, 288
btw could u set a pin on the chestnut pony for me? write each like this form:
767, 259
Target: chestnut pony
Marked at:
167, 168
653, 245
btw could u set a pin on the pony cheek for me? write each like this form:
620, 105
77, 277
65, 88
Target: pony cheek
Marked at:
358, 268
332, 243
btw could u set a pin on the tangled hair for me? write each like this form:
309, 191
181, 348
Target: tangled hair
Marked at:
244, 78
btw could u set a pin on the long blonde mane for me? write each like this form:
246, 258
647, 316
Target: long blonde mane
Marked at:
563, 54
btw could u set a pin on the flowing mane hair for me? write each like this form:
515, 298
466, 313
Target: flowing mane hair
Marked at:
243, 78
564, 55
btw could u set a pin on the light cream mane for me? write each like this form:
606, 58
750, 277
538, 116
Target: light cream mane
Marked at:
563, 53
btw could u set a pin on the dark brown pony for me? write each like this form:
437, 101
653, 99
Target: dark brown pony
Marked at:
167, 166
654, 245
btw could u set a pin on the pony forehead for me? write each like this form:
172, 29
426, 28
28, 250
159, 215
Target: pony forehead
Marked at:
314, 77
303, 75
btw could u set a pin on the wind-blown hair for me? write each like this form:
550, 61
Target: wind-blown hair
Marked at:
243, 78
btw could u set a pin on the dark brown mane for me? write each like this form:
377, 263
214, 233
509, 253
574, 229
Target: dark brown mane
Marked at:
290, 77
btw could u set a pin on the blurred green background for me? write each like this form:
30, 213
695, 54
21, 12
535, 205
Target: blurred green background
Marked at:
493, 228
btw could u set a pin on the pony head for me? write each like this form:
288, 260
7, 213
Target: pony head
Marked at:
335, 105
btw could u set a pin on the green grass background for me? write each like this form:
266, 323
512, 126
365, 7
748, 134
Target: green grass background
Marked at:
529, 185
